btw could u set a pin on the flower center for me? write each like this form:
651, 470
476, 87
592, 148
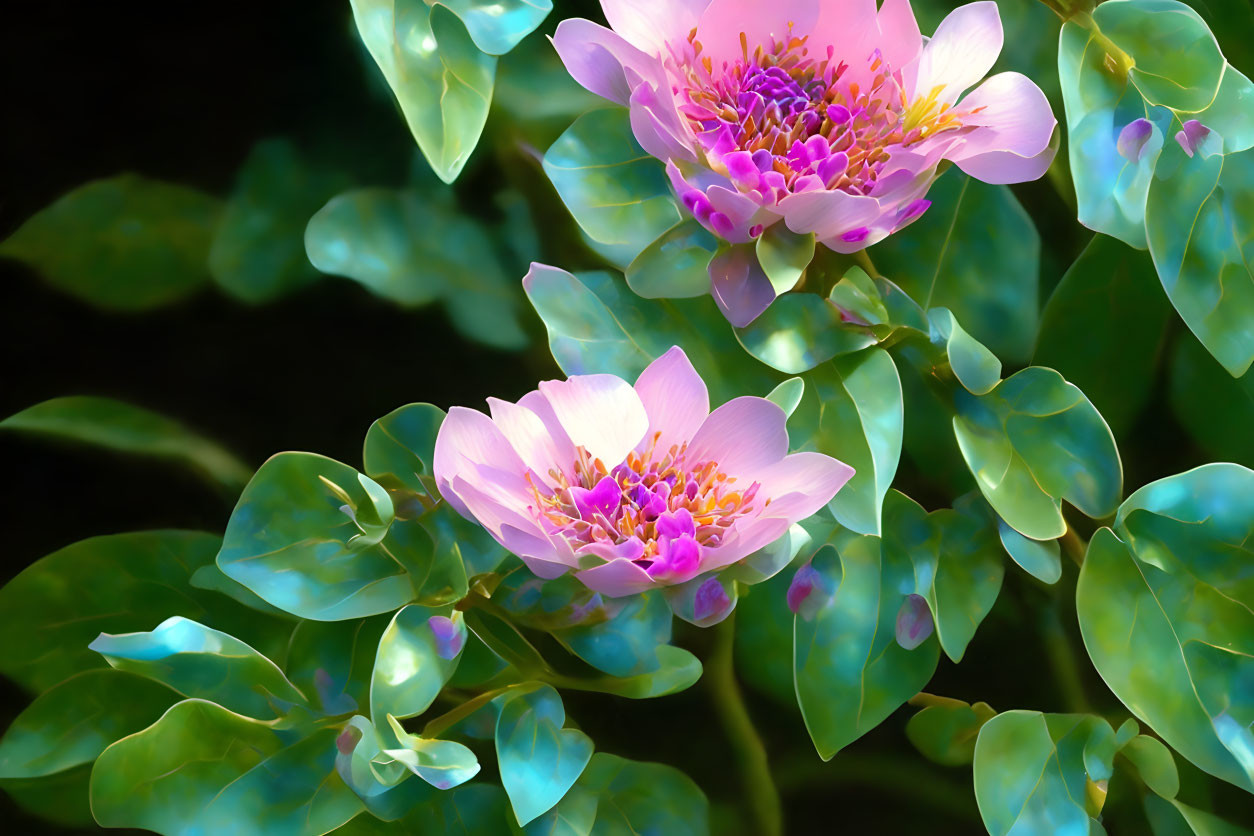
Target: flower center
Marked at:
655, 508
779, 120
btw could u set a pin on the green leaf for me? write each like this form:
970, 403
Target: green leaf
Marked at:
496, 26
417, 654
1173, 818
73, 722
784, 255
859, 299
441, 80
676, 265
443, 764
616, 192
1200, 221
399, 451
203, 663
1034, 441
120, 426
123, 244
308, 537
60, 798
409, 247
977, 253
1217, 410
1039, 558
118, 583
852, 409
1177, 62
799, 331
618, 797
258, 251
332, 661
850, 672
469, 810
1154, 763
539, 760
1165, 613
1230, 114
1103, 329
787, 395
976, 368
203, 769
1030, 774
958, 566
945, 730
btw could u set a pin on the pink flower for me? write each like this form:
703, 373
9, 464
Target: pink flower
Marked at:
630, 487
825, 114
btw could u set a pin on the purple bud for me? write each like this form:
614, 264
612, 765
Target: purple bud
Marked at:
710, 601
1132, 139
803, 583
839, 114
347, 740
856, 236
1193, 135
914, 622
755, 230
449, 639
722, 225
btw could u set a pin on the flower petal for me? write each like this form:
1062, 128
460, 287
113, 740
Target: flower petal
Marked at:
544, 555
799, 484
675, 398
600, 412
828, 214
650, 24
744, 436
467, 438
739, 286
962, 51
657, 125
540, 450
849, 27
1015, 118
616, 578
723, 21
900, 40
597, 58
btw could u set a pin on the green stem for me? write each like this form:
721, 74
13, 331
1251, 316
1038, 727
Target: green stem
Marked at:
1120, 62
864, 261
758, 783
1062, 660
451, 718
1074, 546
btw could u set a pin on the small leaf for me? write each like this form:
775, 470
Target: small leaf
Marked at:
1039, 558
799, 331
122, 244
976, 368
1154, 763
539, 760
443, 764
945, 730
788, 394
416, 656
676, 265
120, 426
784, 255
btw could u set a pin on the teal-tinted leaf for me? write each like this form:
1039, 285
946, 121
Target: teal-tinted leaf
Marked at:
677, 670
378, 779
1030, 772
616, 192
210, 577
441, 80
799, 331
443, 764
539, 760
1166, 616
1110, 189
676, 265
1034, 441
417, 654
203, 663
852, 409
977, 253
764, 639
976, 368
859, 299
307, 537
120, 426
958, 566
784, 255
1174, 818
203, 769
123, 244
119, 583
1154, 763
399, 451
619, 797
331, 662
625, 640
705, 600
1177, 62
1217, 410
1103, 329
258, 250
787, 395
73, 722
1200, 225
945, 730
408, 247
1039, 558
1231, 115
497, 27
471, 810
850, 672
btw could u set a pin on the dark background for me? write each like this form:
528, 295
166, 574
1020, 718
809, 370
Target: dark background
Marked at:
95, 89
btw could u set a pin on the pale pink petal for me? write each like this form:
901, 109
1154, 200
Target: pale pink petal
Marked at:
801, 483
742, 212
466, 438
1008, 167
600, 412
515, 532
657, 125
828, 214
740, 288
900, 40
723, 21
743, 435
747, 537
616, 578
1013, 128
596, 58
528, 434
849, 27
674, 397
650, 24
962, 51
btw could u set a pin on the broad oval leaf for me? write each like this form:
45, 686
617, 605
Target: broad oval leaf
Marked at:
539, 760
977, 368
676, 265
784, 255
417, 654
945, 729
1039, 558
799, 331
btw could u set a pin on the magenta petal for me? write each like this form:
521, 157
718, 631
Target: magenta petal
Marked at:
596, 57
603, 499
914, 622
1194, 133
678, 559
744, 435
739, 287
803, 585
449, 637
710, 602
616, 578
1132, 139
675, 398
676, 524
600, 412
